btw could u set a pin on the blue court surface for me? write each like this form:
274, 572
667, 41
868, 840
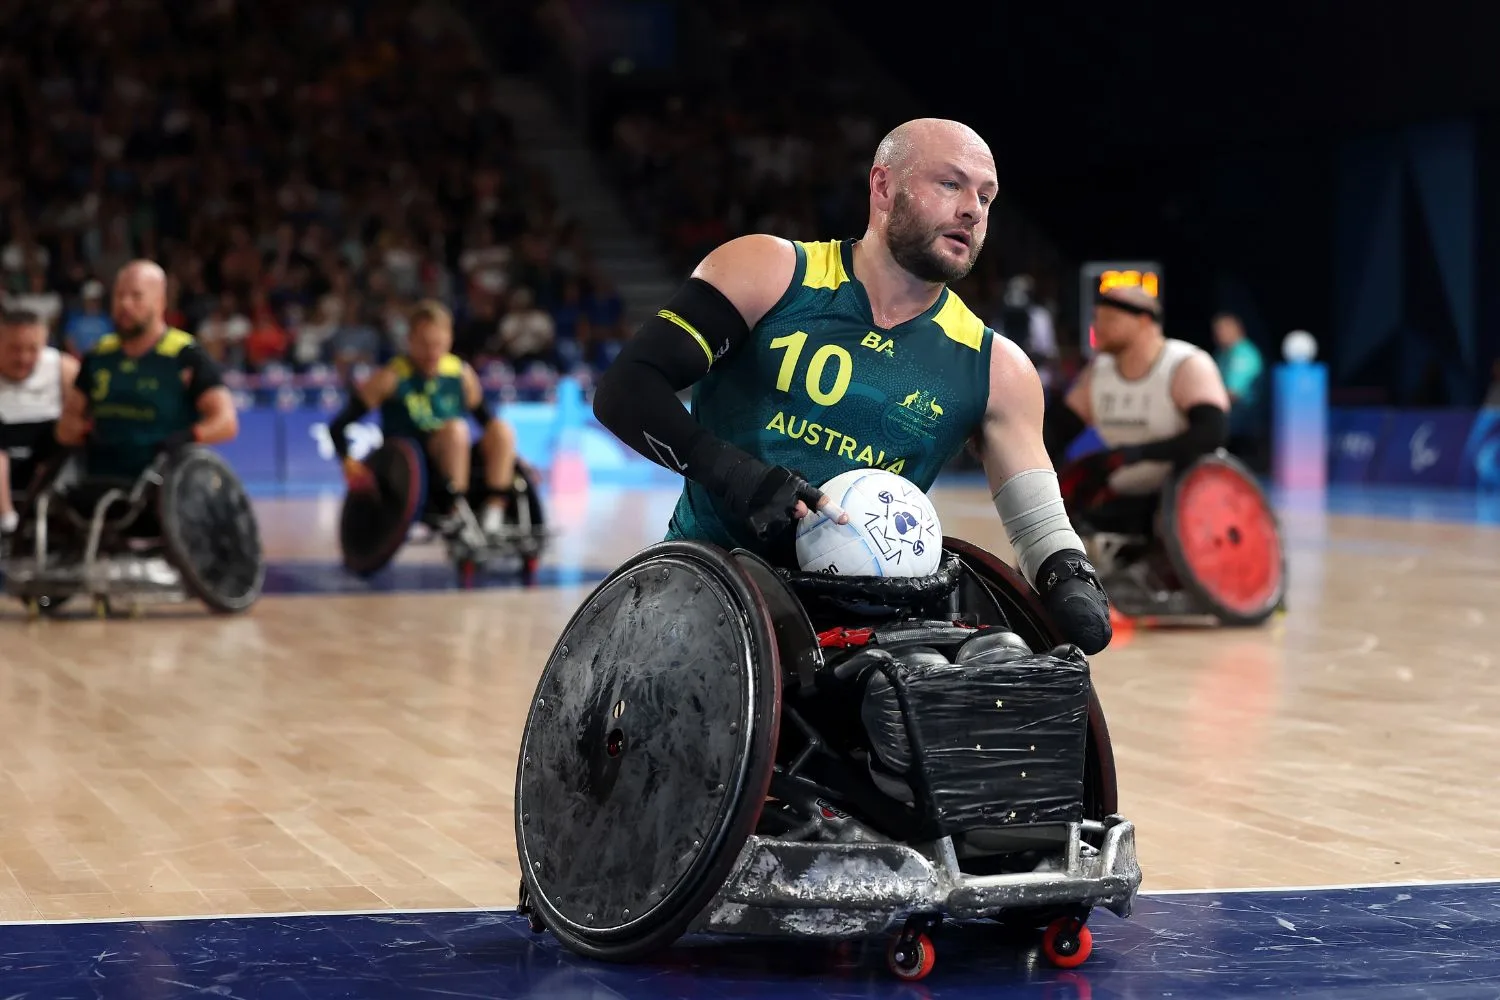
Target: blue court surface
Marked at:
1438, 941
331, 578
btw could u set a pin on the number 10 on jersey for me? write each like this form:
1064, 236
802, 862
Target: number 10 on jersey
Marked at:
816, 373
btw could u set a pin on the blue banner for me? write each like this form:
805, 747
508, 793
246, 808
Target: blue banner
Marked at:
1354, 438
1481, 466
1424, 447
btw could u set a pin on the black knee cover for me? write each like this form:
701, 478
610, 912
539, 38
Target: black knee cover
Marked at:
1076, 600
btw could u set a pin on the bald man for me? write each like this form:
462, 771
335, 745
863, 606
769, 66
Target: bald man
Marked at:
145, 388
1157, 403
808, 360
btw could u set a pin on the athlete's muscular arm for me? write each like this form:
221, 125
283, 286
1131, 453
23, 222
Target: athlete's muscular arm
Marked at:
73, 425
367, 396
728, 293
1025, 490
474, 399
1069, 419
1199, 394
218, 421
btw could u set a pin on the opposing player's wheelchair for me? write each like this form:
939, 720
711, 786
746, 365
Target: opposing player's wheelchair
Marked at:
184, 529
721, 747
376, 523
1216, 554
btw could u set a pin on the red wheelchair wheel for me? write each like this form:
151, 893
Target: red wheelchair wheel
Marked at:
1224, 540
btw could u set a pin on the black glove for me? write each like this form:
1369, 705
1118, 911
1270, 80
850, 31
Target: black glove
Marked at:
766, 496
176, 441
1076, 600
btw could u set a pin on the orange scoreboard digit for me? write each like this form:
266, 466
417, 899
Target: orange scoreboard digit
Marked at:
1100, 276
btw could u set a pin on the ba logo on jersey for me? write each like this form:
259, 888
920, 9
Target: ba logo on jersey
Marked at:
876, 342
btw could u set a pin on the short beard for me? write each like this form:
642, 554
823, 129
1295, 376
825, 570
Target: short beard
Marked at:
132, 332
911, 246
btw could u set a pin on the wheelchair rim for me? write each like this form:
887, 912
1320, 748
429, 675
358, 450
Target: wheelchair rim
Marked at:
1227, 536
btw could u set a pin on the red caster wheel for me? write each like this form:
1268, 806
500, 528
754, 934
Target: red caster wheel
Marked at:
528, 569
1067, 943
912, 962
467, 571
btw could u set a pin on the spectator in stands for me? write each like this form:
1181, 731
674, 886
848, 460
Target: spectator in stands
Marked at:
223, 332
527, 333
1243, 370
85, 327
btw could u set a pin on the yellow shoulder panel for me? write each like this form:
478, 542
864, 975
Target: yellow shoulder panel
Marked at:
172, 342
400, 367
960, 324
825, 265
451, 366
108, 344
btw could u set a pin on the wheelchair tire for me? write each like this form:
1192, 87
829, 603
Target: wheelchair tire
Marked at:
373, 525
209, 531
1224, 541
648, 751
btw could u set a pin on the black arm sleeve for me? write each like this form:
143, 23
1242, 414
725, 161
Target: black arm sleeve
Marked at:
352, 411
1060, 428
1207, 426
203, 372
481, 413
637, 397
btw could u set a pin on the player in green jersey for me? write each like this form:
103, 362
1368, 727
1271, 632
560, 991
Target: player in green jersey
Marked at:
426, 396
808, 360
144, 389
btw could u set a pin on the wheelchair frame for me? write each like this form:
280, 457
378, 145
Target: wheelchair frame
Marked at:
46, 583
829, 875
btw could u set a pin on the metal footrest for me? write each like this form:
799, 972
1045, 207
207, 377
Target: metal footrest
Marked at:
840, 890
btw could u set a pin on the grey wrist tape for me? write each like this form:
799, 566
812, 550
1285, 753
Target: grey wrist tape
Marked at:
1031, 508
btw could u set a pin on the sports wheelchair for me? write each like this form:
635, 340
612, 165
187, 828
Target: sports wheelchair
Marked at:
717, 746
1216, 554
376, 523
185, 528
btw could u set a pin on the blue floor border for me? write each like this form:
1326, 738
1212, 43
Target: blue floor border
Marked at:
1425, 939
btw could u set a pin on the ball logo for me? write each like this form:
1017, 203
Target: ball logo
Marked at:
904, 522
885, 496
1423, 455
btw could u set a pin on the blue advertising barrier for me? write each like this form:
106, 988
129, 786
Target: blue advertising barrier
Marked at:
286, 445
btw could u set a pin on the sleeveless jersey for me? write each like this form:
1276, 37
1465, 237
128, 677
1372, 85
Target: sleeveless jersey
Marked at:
420, 405
137, 403
820, 389
30, 407
1135, 411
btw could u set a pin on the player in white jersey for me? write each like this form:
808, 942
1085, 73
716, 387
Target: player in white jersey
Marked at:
1157, 404
32, 376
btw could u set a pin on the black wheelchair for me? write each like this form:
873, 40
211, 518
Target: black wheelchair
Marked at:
717, 746
184, 529
1216, 555
377, 523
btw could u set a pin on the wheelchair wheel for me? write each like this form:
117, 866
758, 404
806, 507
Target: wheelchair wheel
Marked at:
209, 531
1221, 535
648, 751
373, 524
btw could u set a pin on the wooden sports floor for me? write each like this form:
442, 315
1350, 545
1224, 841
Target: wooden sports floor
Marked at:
325, 784
355, 750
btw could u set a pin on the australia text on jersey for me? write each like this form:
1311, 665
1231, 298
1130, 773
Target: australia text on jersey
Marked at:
818, 435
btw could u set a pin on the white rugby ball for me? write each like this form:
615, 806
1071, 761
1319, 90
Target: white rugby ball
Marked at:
893, 529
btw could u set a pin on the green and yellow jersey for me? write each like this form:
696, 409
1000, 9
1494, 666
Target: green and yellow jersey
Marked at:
420, 405
136, 404
820, 389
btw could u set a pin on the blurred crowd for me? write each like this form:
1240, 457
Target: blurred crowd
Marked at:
785, 152
304, 170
